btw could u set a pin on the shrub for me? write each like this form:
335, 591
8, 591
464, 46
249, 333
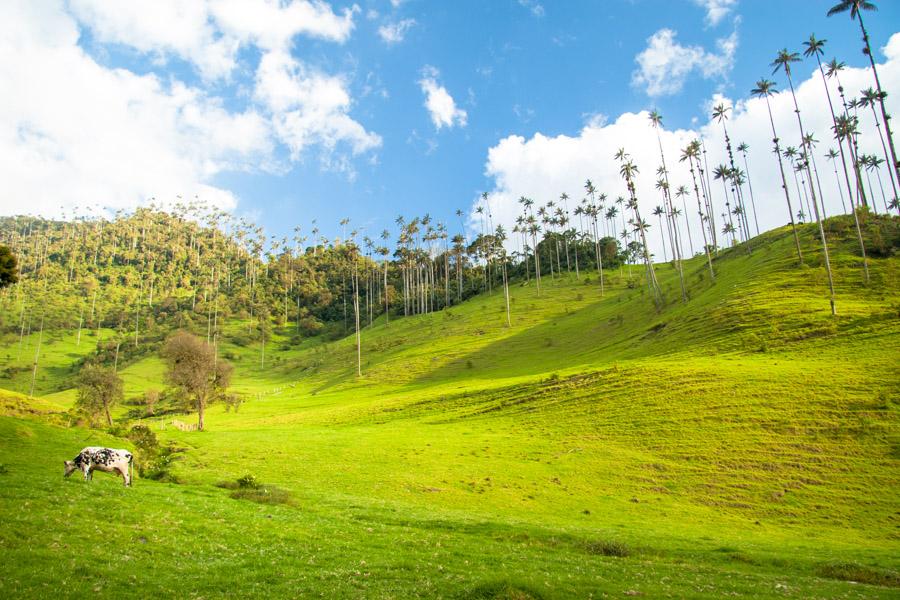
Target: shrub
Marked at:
860, 574
607, 548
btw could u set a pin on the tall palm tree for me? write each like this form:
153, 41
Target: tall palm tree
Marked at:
564, 222
841, 127
591, 190
658, 212
720, 113
742, 148
690, 154
764, 89
833, 155
783, 61
663, 183
856, 8
722, 172
628, 171
869, 98
815, 47
682, 192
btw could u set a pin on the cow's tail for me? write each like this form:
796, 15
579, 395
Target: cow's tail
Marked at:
131, 468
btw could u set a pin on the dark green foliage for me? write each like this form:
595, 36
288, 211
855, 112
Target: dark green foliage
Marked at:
607, 548
860, 574
8, 267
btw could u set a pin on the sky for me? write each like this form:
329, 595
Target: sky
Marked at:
285, 112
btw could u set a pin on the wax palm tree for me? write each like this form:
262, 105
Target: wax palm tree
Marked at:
690, 154
833, 155
815, 47
783, 62
659, 212
869, 98
591, 190
720, 113
628, 171
682, 193
663, 184
810, 142
764, 89
722, 172
834, 68
563, 218
856, 8
742, 148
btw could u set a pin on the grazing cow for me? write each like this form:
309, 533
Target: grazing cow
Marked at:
110, 460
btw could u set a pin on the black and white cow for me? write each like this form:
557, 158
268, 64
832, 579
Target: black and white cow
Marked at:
110, 460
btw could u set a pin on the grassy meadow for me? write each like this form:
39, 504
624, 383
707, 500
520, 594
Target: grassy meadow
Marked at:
744, 443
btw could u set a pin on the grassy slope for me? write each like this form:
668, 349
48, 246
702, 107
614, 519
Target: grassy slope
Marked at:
735, 443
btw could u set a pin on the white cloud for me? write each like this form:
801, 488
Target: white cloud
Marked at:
542, 167
664, 65
440, 104
76, 133
309, 108
534, 6
716, 10
209, 33
393, 33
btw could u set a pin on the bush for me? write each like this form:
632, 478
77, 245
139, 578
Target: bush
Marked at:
248, 482
860, 574
249, 488
607, 548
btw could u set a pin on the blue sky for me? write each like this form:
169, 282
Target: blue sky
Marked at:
363, 144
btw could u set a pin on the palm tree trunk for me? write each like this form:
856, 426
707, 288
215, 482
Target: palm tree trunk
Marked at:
712, 273
881, 95
813, 197
787, 195
750, 186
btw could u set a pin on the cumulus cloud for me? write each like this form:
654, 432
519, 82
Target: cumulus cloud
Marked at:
309, 107
664, 65
117, 138
209, 33
440, 104
542, 167
393, 33
77, 133
716, 10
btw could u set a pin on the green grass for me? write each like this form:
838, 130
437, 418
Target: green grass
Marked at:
744, 443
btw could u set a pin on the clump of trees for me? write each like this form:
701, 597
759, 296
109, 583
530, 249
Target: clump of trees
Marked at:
194, 368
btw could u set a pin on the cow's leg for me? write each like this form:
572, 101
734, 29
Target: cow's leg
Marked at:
124, 472
86, 469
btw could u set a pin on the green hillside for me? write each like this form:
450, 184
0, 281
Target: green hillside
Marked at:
745, 442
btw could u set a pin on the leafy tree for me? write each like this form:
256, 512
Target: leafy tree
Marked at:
99, 388
194, 369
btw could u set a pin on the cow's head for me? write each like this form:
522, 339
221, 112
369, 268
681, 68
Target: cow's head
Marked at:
70, 468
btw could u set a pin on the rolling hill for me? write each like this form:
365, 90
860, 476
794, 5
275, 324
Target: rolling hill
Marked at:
745, 442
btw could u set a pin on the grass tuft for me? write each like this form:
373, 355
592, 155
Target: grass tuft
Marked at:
501, 590
860, 574
607, 548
